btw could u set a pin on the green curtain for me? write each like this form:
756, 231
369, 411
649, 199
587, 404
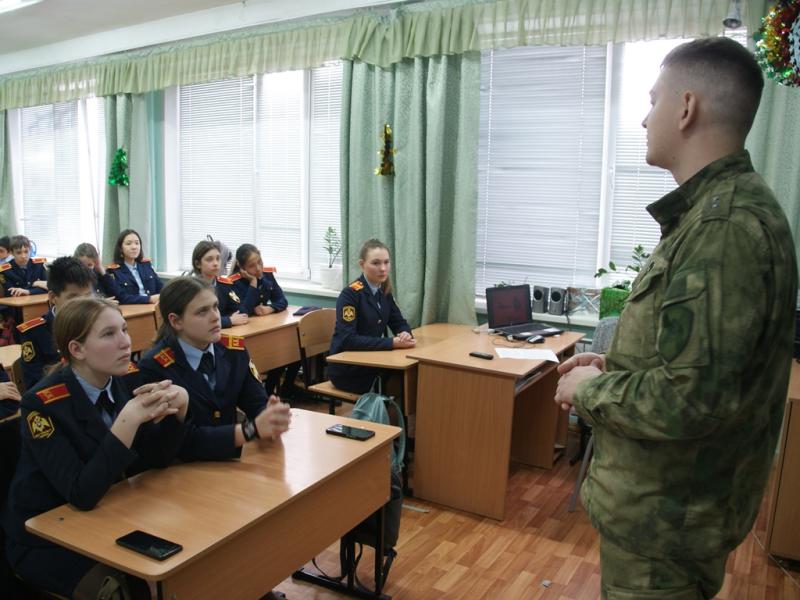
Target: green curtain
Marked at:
8, 224
118, 112
380, 37
426, 212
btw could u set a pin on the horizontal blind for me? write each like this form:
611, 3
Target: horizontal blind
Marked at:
216, 163
324, 209
540, 158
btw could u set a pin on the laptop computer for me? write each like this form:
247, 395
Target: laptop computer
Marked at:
509, 311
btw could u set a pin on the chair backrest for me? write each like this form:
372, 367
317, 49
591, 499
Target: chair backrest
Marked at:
604, 334
159, 320
315, 330
16, 375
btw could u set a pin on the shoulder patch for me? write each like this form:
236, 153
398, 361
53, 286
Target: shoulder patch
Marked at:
225, 280
254, 371
232, 342
39, 260
23, 327
132, 368
53, 393
356, 285
145, 260
270, 270
349, 313
41, 427
112, 266
28, 352
165, 358
5, 267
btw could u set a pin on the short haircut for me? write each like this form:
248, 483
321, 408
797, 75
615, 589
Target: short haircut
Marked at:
67, 270
5, 242
728, 73
19, 241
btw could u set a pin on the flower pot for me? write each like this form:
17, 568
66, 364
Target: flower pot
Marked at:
331, 277
612, 300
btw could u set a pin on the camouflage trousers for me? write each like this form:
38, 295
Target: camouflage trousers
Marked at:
628, 576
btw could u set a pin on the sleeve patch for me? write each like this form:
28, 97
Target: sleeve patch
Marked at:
349, 313
28, 351
254, 371
40, 426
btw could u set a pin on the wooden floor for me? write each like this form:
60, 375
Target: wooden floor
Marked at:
539, 551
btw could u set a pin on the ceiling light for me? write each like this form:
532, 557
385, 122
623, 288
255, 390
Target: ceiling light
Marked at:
9, 5
734, 18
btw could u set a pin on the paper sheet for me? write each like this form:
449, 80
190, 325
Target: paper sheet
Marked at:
527, 354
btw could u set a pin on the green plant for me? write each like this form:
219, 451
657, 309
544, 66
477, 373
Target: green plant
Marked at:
639, 257
332, 245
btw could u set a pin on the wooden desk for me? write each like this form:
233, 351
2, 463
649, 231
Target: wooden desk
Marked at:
783, 529
399, 359
244, 525
8, 354
474, 415
30, 306
141, 320
271, 339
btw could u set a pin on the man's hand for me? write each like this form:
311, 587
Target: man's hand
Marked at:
570, 381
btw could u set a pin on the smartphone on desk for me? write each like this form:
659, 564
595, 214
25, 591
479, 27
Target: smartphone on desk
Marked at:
353, 433
149, 545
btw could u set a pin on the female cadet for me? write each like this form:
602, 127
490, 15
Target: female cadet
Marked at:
82, 429
215, 369
136, 280
104, 285
269, 298
206, 266
363, 311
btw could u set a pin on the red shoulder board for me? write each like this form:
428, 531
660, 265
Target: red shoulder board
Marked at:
5, 267
145, 260
165, 358
53, 393
39, 260
270, 270
132, 368
232, 342
226, 280
235, 277
356, 285
23, 327
112, 266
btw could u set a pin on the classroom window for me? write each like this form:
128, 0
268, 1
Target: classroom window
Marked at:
58, 157
244, 150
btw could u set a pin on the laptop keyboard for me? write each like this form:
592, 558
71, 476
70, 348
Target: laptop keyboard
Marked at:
535, 326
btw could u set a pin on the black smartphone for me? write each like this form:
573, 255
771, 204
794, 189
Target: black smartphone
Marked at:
149, 545
354, 433
483, 355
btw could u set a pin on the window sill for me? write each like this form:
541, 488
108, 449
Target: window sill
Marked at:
582, 319
292, 286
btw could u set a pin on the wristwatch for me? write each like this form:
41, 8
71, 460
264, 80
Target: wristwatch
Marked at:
249, 430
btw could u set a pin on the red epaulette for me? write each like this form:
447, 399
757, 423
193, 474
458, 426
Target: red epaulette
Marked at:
53, 393
226, 280
165, 358
5, 267
112, 266
356, 285
145, 260
23, 327
270, 270
39, 260
132, 368
232, 342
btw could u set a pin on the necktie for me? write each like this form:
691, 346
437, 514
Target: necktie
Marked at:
105, 406
206, 366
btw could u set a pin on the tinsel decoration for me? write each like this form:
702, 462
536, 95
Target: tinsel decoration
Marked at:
386, 153
119, 169
777, 45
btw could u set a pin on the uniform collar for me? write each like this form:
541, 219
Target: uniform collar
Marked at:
192, 354
669, 208
91, 391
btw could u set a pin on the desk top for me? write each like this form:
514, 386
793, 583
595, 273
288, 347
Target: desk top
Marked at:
22, 301
200, 505
8, 354
794, 382
455, 351
256, 325
399, 359
135, 310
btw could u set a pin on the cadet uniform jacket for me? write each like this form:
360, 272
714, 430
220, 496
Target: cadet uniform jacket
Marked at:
105, 286
38, 349
14, 276
7, 407
687, 416
268, 292
212, 413
229, 300
69, 454
128, 289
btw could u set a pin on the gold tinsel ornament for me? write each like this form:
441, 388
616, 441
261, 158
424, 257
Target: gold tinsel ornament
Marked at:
777, 43
386, 153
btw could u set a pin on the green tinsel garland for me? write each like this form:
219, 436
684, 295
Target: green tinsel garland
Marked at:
119, 169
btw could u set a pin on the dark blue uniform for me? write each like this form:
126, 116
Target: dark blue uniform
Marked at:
361, 322
7, 407
212, 413
230, 301
128, 289
70, 455
268, 292
38, 349
14, 276
105, 286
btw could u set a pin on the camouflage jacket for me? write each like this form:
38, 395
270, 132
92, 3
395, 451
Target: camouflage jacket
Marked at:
687, 416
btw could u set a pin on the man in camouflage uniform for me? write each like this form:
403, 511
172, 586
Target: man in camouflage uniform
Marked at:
687, 404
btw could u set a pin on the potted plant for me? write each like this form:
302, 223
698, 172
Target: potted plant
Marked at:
331, 277
612, 298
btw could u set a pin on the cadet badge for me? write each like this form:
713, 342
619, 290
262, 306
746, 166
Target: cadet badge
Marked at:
41, 427
254, 371
232, 342
28, 353
349, 313
165, 358
53, 393
233, 296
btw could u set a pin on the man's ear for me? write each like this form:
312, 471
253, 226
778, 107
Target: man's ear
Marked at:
689, 108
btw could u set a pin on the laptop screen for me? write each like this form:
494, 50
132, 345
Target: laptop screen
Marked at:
508, 305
